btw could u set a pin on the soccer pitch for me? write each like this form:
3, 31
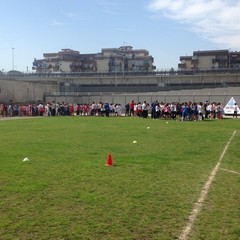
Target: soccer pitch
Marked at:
175, 180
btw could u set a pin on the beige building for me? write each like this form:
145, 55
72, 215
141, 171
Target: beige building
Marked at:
121, 59
200, 60
66, 60
124, 59
212, 59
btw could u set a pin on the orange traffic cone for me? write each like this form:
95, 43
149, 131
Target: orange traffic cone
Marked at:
109, 160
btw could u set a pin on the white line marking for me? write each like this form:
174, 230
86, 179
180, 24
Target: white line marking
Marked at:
230, 171
198, 204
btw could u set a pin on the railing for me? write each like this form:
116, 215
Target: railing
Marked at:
124, 98
126, 73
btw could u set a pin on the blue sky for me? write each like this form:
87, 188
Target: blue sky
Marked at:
168, 29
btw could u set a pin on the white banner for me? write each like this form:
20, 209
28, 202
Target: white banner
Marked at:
230, 107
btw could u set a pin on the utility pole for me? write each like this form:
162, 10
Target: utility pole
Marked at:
229, 58
13, 58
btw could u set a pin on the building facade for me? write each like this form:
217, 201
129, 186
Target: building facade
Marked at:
120, 59
212, 59
67, 61
124, 59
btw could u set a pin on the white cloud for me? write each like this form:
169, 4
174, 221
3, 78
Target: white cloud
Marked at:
109, 6
215, 20
70, 15
56, 23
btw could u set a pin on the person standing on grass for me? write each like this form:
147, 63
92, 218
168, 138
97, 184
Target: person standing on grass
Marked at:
10, 110
200, 111
194, 111
153, 109
184, 112
118, 110
173, 109
139, 109
107, 109
144, 110
219, 111
235, 110
127, 109
54, 105
131, 107
207, 109
157, 111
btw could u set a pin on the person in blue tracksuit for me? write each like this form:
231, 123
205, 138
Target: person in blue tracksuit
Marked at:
107, 109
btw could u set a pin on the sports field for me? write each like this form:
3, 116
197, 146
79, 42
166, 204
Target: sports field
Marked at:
180, 180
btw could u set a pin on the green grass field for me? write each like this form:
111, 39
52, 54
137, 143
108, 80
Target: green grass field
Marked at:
66, 192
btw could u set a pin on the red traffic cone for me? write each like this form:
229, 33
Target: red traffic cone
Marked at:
109, 160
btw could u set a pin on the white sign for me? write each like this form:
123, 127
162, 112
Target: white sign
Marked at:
230, 107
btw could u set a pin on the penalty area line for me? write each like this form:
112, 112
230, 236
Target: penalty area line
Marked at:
230, 171
198, 204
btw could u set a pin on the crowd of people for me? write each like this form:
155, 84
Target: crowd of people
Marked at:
60, 109
177, 111
156, 110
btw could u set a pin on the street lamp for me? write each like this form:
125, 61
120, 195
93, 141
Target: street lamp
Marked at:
123, 64
13, 58
229, 58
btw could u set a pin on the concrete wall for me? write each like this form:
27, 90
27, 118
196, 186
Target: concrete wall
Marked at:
25, 91
32, 88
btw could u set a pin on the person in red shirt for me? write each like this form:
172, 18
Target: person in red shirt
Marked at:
131, 107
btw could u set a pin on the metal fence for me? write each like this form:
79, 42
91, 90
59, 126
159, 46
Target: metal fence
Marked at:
124, 98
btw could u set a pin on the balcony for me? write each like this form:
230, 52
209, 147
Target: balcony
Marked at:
182, 66
220, 59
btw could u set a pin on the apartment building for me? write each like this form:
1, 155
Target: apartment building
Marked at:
124, 58
120, 59
212, 59
67, 60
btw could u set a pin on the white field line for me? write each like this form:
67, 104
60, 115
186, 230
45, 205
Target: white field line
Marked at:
16, 118
230, 171
198, 204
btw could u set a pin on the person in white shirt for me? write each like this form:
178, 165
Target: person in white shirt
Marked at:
200, 112
235, 110
144, 110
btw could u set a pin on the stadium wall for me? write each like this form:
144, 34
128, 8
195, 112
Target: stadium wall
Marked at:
34, 88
